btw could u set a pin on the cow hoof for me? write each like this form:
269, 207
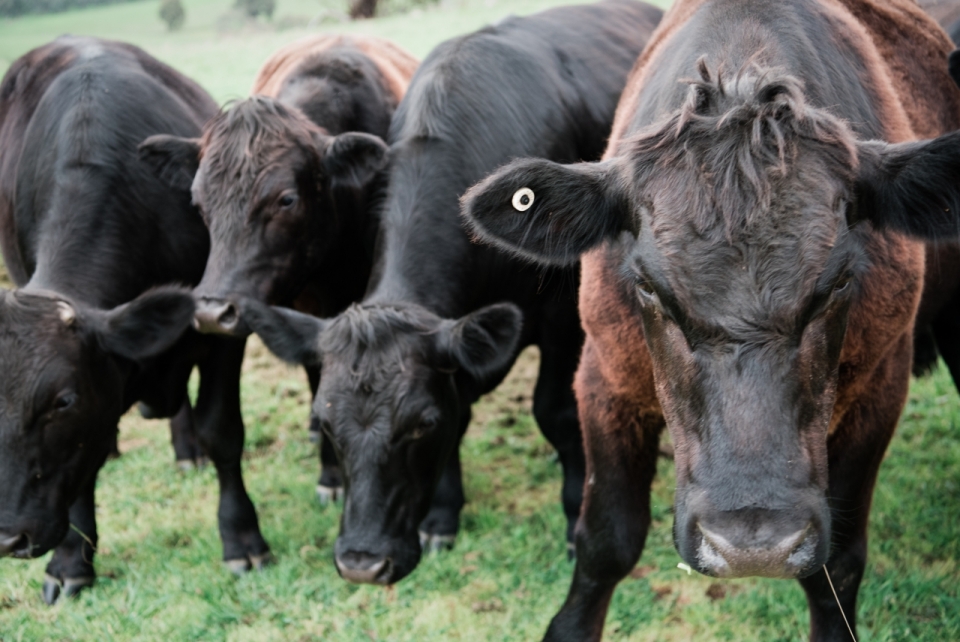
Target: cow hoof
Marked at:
243, 565
54, 589
571, 551
189, 465
433, 543
327, 495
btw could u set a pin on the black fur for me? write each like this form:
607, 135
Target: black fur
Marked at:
354, 159
545, 85
575, 207
291, 335
173, 160
913, 187
89, 233
483, 342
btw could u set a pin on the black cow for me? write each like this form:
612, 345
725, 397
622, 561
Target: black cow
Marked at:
297, 229
89, 233
444, 319
751, 283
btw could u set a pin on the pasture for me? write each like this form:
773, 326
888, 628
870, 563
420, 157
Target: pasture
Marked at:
160, 576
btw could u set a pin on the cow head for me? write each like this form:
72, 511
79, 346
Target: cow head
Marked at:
388, 401
62, 371
745, 219
268, 183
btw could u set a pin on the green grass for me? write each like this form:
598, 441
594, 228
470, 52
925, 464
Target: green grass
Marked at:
160, 574
225, 59
161, 579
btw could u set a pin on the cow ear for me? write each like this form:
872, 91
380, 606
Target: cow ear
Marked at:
912, 188
483, 342
172, 159
146, 326
548, 212
293, 336
353, 159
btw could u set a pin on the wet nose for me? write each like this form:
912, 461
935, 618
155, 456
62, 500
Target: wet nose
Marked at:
364, 568
10, 544
214, 316
764, 543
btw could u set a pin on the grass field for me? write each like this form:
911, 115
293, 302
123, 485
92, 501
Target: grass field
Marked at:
160, 575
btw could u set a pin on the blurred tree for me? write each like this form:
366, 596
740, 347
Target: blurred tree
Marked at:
254, 8
171, 12
360, 9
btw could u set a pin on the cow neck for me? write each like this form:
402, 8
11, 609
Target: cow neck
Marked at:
425, 256
75, 252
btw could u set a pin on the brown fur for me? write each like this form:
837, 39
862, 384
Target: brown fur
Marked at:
915, 103
395, 64
904, 65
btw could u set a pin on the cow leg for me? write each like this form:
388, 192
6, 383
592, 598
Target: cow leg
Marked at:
71, 568
330, 484
620, 444
946, 329
438, 530
555, 409
855, 452
313, 380
221, 433
183, 435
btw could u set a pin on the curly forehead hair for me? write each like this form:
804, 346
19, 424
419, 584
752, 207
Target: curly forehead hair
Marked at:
249, 134
741, 135
367, 335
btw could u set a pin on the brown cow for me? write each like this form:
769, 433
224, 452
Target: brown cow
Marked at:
752, 289
297, 229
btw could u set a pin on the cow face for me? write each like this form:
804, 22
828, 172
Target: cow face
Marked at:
274, 190
388, 401
745, 249
62, 371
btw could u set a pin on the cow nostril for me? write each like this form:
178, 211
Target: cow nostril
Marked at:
228, 316
728, 555
13, 544
364, 568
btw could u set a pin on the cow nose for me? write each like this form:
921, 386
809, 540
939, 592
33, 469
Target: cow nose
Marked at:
764, 543
11, 544
214, 316
364, 568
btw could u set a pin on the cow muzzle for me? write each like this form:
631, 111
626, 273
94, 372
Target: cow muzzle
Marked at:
755, 542
361, 567
215, 316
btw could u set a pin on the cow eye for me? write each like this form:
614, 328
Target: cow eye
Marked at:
842, 285
64, 400
425, 426
645, 291
288, 199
